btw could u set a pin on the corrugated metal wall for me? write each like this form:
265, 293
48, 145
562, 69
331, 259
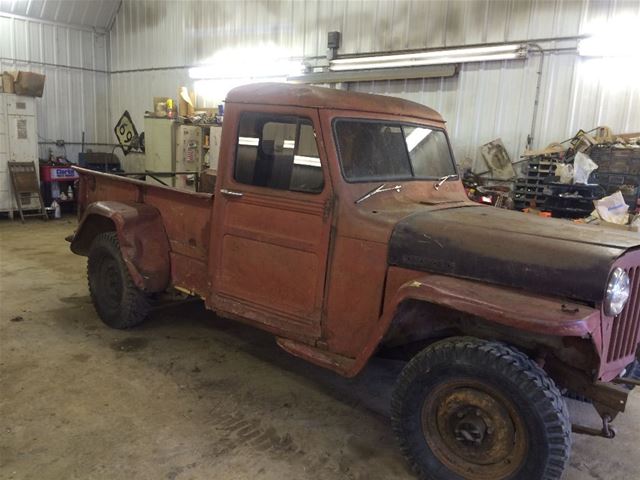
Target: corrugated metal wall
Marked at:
483, 102
76, 95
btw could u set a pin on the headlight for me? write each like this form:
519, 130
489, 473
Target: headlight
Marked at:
617, 292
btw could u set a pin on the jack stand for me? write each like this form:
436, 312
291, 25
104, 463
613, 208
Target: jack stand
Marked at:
607, 430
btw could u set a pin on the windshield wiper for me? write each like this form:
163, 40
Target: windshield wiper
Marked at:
441, 180
380, 189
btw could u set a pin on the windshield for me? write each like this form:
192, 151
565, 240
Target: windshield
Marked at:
372, 151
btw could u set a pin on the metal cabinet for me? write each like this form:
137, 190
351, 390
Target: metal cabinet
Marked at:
188, 155
160, 139
213, 134
171, 146
18, 141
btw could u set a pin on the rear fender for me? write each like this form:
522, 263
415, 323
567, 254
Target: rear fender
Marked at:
142, 237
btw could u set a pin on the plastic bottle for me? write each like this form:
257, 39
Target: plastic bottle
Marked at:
57, 213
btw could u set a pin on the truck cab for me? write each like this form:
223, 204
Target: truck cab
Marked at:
292, 211
340, 225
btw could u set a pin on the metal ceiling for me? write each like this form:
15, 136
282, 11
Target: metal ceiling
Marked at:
85, 13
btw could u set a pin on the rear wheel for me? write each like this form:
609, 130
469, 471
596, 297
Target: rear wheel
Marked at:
466, 408
119, 303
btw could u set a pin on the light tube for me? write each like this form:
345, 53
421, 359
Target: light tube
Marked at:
434, 61
463, 55
432, 54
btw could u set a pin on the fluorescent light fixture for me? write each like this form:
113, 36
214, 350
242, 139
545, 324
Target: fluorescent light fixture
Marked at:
420, 63
618, 38
433, 54
438, 57
428, 71
289, 144
611, 56
248, 63
232, 67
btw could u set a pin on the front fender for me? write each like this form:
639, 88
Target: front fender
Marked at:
142, 237
512, 308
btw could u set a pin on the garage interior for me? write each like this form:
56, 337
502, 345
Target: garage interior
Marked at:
542, 110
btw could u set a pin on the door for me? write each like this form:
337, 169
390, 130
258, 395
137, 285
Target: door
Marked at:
18, 143
23, 144
188, 155
274, 206
160, 143
21, 129
6, 195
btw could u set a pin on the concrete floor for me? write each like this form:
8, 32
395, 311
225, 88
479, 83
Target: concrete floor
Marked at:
189, 395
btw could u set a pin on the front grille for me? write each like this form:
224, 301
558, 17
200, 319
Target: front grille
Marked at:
626, 326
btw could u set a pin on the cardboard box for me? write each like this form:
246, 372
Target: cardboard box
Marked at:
29, 84
7, 82
186, 101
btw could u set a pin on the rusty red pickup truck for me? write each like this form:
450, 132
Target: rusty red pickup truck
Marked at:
339, 224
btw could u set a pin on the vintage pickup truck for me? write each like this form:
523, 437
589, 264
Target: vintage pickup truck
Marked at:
339, 224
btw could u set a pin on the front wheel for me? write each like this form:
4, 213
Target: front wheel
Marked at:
119, 303
465, 408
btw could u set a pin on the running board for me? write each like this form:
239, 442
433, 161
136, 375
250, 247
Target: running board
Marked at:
322, 358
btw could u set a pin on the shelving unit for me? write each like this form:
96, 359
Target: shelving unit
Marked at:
618, 169
211, 145
56, 179
529, 190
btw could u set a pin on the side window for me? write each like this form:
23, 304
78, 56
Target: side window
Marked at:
278, 152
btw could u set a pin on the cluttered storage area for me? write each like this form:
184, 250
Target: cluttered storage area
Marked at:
320, 239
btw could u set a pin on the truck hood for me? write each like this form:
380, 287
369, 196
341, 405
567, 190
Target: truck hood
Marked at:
513, 249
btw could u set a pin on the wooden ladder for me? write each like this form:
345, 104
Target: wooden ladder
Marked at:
26, 190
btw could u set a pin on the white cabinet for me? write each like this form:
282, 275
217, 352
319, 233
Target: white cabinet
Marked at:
18, 140
171, 146
160, 152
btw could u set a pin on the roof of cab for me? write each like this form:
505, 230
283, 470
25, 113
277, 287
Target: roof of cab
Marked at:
319, 97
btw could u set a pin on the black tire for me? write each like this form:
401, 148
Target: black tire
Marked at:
119, 303
489, 385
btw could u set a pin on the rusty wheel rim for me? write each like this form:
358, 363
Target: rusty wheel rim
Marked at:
474, 430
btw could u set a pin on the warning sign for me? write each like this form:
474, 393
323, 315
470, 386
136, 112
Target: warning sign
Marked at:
126, 133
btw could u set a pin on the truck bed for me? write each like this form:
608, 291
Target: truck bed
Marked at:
186, 217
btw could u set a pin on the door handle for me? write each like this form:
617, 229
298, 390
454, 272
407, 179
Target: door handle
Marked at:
230, 193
